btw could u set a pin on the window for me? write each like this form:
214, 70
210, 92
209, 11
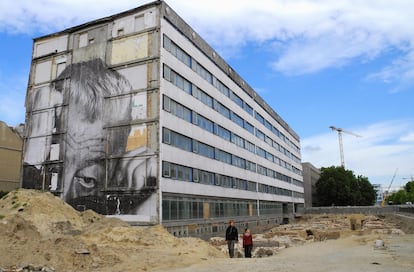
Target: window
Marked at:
259, 118
223, 110
166, 136
177, 140
250, 146
251, 186
237, 119
249, 127
204, 123
236, 139
269, 156
223, 156
224, 133
177, 79
260, 135
177, 109
248, 108
239, 162
195, 175
268, 140
251, 166
166, 103
206, 177
268, 125
261, 152
202, 96
166, 169
205, 150
261, 170
176, 51
275, 131
222, 88
236, 99
167, 72
201, 71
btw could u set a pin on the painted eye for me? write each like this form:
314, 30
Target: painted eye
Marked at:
86, 182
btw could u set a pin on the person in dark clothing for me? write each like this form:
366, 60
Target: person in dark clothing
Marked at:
232, 236
247, 243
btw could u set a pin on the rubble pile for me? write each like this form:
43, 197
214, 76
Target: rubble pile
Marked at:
40, 231
312, 228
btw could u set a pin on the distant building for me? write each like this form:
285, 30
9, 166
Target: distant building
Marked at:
379, 193
136, 116
10, 158
311, 174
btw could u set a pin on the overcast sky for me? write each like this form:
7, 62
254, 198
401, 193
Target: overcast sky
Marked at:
348, 64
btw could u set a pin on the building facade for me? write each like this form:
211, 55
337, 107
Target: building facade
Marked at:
10, 158
311, 174
379, 193
136, 116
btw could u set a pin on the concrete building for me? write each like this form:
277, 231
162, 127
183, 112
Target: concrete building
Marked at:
379, 193
311, 174
136, 116
10, 158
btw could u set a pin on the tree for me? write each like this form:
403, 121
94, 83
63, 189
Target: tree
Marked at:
403, 195
367, 192
409, 187
338, 186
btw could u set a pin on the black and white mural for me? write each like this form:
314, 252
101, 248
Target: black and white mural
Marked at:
81, 144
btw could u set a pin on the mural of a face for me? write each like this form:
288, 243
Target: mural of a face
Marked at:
95, 136
88, 113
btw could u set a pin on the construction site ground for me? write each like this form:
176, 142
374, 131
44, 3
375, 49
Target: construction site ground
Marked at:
40, 232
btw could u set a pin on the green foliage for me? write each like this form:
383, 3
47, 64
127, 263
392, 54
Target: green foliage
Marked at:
338, 186
409, 187
404, 195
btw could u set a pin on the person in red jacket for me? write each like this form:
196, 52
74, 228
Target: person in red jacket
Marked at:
247, 243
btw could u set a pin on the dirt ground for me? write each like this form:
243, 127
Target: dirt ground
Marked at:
40, 231
354, 253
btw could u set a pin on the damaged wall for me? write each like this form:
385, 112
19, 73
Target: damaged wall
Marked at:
91, 115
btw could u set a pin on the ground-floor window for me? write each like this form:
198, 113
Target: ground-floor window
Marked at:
176, 207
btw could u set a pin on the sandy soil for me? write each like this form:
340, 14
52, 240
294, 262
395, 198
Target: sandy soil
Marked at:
40, 231
354, 253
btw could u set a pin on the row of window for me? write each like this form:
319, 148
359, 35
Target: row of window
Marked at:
185, 114
193, 90
178, 208
276, 132
185, 58
185, 173
190, 116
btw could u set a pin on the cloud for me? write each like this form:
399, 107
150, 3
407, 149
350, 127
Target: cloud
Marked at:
383, 148
400, 71
303, 36
27, 16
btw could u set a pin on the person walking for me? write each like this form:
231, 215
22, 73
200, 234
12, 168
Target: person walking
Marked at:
247, 243
232, 236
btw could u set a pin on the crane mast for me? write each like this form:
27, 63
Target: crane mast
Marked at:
341, 147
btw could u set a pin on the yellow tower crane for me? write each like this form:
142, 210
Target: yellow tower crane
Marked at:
341, 148
387, 193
